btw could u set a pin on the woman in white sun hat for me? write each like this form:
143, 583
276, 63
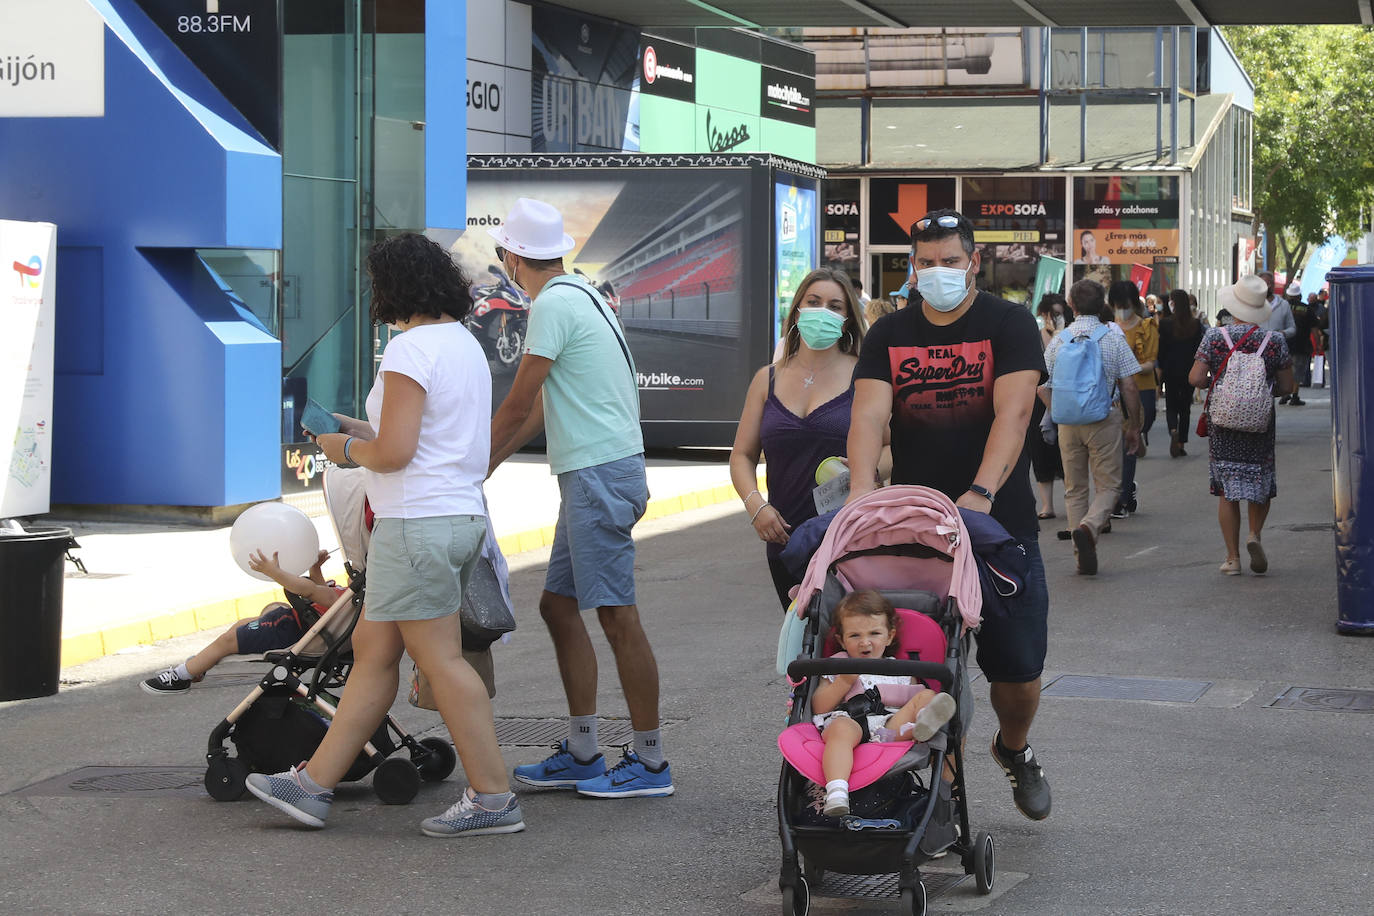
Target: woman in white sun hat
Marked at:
1241, 464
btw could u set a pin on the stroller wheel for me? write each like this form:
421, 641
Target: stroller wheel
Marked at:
397, 781
224, 778
914, 899
439, 762
984, 868
796, 901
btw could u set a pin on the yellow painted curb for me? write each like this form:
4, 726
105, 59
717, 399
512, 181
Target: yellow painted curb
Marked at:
86, 647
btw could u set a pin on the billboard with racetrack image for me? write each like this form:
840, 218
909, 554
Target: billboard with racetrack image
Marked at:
680, 248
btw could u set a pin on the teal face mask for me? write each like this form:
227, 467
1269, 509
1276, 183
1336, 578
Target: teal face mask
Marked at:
820, 328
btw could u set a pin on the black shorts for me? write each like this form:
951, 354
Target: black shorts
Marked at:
1011, 649
277, 627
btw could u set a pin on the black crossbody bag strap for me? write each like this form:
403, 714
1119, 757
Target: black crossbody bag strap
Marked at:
618, 339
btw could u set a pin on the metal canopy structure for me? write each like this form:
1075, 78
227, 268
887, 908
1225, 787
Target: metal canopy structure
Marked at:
974, 13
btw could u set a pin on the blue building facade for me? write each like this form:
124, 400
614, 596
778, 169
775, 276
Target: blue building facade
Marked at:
209, 267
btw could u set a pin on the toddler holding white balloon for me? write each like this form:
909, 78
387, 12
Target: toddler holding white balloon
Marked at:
278, 626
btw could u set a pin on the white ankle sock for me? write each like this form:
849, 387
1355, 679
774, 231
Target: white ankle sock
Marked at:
837, 785
181, 672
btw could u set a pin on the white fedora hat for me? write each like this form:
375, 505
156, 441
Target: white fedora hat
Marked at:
1247, 301
533, 229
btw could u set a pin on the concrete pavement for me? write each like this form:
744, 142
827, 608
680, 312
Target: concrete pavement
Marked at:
1219, 805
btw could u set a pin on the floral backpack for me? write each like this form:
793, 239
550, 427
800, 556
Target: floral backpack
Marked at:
1242, 399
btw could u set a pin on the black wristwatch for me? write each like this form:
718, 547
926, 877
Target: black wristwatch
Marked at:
982, 491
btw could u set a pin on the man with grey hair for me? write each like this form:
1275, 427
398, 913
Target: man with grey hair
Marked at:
1093, 449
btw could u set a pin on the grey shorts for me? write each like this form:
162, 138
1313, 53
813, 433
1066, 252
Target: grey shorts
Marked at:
418, 568
593, 557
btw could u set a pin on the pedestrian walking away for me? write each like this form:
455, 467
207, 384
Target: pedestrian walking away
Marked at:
954, 379
1092, 372
1179, 336
1241, 463
424, 449
1142, 333
577, 382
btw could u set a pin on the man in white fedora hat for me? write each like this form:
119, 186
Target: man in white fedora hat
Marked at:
577, 381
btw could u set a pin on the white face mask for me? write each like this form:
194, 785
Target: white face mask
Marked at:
943, 287
1059, 322
1124, 314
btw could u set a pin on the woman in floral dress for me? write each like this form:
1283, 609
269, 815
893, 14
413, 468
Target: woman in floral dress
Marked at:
1241, 464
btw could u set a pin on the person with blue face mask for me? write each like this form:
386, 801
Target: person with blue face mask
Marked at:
953, 377
797, 413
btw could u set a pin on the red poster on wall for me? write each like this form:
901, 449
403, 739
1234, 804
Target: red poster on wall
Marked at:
1140, 276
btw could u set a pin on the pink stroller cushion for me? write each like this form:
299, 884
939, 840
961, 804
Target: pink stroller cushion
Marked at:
803, 747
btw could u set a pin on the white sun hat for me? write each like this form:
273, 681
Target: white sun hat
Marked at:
533, 229
1246, 301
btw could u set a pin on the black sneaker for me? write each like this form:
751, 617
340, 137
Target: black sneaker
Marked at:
1085, 545
1121, 512
1029, 788
166, 682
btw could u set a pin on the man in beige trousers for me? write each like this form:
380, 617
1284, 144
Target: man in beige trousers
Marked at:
1094, 449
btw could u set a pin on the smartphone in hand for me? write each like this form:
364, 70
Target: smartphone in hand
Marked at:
317, 421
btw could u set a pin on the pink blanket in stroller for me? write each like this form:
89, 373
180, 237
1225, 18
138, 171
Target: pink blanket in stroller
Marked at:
892, 516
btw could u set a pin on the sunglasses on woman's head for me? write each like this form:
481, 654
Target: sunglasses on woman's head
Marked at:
946, 222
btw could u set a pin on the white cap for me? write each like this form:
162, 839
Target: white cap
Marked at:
533, 229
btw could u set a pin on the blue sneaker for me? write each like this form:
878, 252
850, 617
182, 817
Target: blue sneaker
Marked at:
628, 778
284, 792
560, 770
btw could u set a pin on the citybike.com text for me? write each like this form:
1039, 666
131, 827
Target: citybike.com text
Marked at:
666, 381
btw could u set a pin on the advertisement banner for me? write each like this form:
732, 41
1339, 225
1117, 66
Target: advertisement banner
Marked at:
582, 72
1123, 246
668, 70
1140, 276
794, 234
665, 247
1049, 278
787, 96
28, 264
1319, 264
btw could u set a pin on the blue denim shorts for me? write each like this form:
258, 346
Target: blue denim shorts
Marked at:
418, 568
593, 558
1011, 649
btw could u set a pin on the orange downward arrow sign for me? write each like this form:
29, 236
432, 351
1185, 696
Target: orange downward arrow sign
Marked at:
911, 205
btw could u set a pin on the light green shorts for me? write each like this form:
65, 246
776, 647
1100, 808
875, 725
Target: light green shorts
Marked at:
418, 568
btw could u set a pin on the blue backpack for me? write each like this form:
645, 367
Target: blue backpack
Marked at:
1081, 392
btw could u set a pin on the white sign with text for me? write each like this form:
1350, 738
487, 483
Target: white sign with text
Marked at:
28, 273
52, 59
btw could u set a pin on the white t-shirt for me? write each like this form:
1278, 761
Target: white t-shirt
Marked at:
445, 476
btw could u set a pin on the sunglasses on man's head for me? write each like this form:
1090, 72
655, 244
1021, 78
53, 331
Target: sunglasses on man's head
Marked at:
946, 222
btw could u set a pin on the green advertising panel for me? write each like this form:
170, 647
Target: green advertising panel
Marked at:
667, 125
728, 83
794, 141
721, 130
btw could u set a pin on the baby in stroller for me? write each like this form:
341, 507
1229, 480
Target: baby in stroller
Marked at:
851, 709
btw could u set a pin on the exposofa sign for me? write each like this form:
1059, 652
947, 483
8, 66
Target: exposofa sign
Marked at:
28, 272
52, 59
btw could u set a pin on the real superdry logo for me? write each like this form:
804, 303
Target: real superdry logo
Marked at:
942, 383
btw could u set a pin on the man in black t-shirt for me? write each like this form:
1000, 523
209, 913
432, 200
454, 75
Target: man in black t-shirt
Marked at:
954, 377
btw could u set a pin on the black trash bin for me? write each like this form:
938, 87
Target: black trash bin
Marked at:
31, 568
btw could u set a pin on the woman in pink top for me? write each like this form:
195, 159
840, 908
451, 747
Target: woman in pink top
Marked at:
854, 708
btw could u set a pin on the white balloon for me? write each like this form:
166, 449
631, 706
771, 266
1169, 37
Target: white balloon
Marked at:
275, 528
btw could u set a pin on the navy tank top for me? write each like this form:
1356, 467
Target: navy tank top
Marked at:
795, 446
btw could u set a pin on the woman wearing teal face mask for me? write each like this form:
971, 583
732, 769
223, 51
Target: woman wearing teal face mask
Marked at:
797, 412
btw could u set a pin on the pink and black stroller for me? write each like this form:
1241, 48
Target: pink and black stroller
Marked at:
910, 544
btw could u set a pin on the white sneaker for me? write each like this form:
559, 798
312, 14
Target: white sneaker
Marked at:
935, 714
836, 803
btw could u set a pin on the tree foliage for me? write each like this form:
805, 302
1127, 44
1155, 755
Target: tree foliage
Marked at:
1313, 129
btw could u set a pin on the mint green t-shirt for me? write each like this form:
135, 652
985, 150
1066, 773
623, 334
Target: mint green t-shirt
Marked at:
591, 396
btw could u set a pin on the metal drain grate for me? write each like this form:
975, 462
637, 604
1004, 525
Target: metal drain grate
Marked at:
1161, 690
125, 782
1309, 526
1323, 699
937, 881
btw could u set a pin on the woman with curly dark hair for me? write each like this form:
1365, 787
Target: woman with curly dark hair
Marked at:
425, 446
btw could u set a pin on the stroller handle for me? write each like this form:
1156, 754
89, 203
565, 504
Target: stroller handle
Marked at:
893, 666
